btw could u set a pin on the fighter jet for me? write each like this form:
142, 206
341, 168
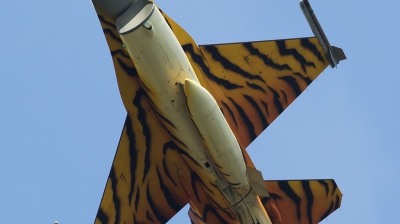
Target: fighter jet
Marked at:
192, 111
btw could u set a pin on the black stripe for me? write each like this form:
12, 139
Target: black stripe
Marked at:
167, 194
277, 103
217, 165
120, 52
137, 198
148, 91
284, 96
132, 153
246, 120
195, 214
123, 177
165, 168
148, 216
112, 35
329, 211
259, 111
228, 175
265, 105
285, 187
265, 199
128, 70
305, 42
230, 111
117, 202
267, 61
306, 79
284, 51
165, 119
334, 187
326, 186
200, 62
229, 65
186, 103
154, 208
101, 18
292, 83
101, 216
310, 198
194, 178
256, 87
172, 145
337, 202
163, 14
274, 196
142, 118
176, 139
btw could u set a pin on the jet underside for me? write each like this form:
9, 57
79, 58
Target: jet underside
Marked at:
181, 142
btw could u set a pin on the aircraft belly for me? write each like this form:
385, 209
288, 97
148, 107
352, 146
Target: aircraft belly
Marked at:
162, 65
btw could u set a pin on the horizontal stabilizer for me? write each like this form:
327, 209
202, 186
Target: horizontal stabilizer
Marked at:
301, 201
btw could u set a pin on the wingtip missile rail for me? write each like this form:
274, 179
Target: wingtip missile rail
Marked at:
334, 54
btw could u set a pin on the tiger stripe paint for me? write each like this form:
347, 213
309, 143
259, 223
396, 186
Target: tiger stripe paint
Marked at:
147, 177
272, 75
257, 69
195, 217
153, 175
310, 200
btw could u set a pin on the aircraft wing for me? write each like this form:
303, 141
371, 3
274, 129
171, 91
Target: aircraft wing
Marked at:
141, 186
257, 81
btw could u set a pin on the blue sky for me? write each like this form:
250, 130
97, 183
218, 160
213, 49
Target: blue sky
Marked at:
61, 113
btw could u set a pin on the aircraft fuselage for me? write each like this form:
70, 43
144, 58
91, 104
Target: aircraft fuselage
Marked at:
175, 93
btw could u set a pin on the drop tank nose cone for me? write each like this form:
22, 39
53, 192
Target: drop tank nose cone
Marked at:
199, 101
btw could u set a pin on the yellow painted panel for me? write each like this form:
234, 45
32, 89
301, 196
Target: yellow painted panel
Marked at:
303, 201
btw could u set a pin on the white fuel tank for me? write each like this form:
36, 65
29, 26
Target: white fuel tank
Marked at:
217, 135
156, 53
